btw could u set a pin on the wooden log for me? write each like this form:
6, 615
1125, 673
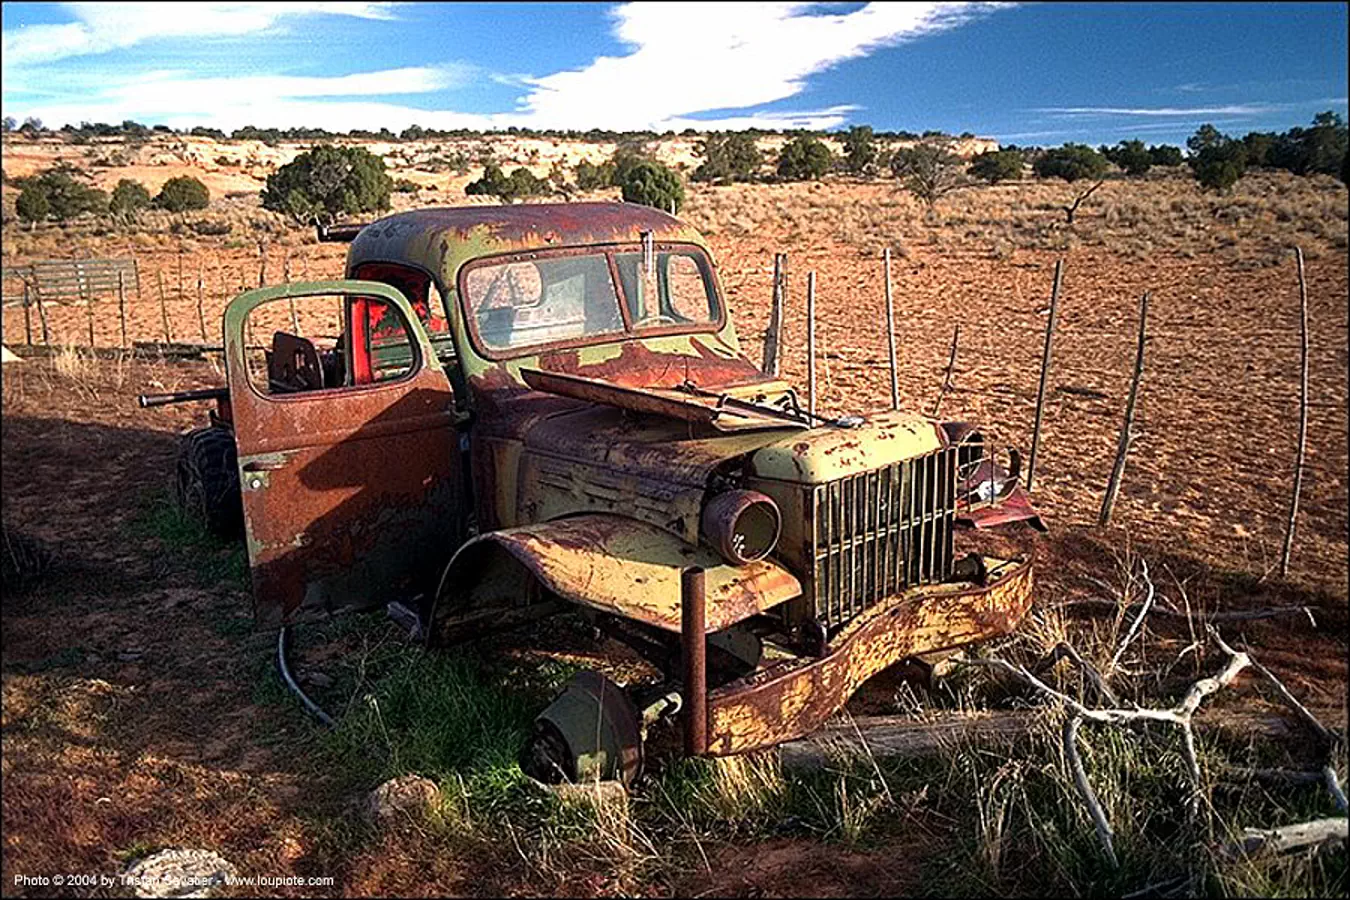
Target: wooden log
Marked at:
951, 368
890, 330
769, 365
906, 736
811, 342
1302, 418
163, 307
122, 309
1126, 438
1045, 370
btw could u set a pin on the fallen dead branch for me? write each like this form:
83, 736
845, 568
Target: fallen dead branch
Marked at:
1179, 715
1287, 838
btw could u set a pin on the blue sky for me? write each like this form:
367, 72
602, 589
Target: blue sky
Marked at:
1021, 73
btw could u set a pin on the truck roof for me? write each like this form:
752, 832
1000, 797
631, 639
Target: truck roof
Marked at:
440, 239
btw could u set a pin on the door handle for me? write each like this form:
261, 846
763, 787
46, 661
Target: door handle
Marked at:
263, 465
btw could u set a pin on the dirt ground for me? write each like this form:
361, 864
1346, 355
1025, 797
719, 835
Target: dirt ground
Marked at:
131, 681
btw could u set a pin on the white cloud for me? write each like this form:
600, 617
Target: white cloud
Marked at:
100, 27
177, 99
1238, 109
696, 57
684, 60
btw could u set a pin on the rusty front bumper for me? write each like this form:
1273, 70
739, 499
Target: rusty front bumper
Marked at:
794, 697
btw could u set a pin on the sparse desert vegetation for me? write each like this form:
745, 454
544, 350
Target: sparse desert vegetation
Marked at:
141, 708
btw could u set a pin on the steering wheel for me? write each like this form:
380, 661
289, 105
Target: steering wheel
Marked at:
656, 318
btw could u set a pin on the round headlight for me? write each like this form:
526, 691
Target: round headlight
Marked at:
742, 525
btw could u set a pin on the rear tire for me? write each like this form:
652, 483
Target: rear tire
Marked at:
207, 481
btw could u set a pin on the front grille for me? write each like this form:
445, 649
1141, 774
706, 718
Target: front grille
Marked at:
879, 532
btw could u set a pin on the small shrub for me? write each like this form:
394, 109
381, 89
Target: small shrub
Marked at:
804, 159
128, 198
328, 180
999, 165
520, 183
1072, 162
183, 193
1165, 155
590, 177
929, 170
1217, 160
56, 194
33, 204
653, 184
860, 152
406, 186
1132, 157
728, 158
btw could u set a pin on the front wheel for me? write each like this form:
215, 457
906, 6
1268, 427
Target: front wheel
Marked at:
206, 484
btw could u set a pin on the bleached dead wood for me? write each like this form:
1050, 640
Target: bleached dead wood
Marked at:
889, 736
1288, 837
1179, 715
905, 736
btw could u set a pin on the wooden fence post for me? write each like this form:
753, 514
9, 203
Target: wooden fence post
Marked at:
201, 300
1045, 369
890, 331
42, 313
27, 317
811, 342
262, 263
88, 309
163, 306
1302, 417
1126, 438
951, 368
122, 308
769, 366
286, 277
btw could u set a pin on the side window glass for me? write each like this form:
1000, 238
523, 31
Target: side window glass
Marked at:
296, 344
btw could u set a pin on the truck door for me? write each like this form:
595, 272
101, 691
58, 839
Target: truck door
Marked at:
350, 477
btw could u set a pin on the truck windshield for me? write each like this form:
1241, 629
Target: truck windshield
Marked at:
517, 303
543, 301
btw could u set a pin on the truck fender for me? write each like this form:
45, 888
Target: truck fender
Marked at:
606, 562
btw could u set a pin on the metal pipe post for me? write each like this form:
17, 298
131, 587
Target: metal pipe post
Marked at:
694, 642
890, 333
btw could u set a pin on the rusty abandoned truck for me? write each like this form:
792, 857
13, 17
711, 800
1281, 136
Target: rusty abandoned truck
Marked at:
536, 409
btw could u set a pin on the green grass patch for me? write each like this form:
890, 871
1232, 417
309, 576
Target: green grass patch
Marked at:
214, 560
